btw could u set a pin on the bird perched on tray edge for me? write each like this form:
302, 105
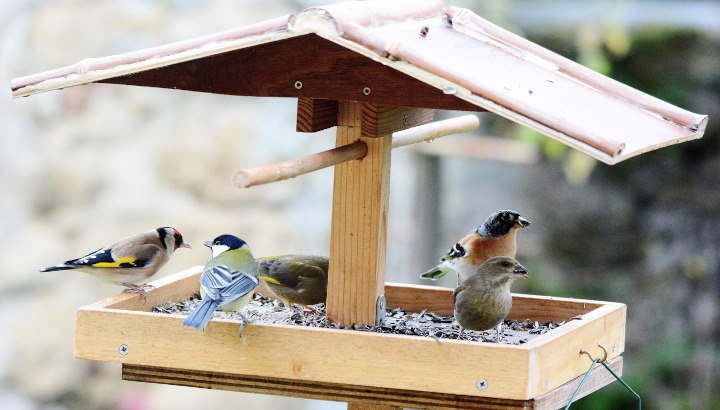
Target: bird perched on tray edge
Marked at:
129, 260
227, 282
298, 279
495, 237
484, 300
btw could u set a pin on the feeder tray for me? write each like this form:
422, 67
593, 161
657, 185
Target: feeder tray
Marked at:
355, 366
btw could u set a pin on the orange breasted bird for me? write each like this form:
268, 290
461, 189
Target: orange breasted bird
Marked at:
495, 237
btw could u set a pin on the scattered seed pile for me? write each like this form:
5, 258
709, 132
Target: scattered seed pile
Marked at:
397, 321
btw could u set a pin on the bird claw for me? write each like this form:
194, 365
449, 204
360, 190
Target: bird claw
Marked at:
245, 320
141, 289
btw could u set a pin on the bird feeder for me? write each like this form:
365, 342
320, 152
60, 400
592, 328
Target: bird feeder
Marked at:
375, 71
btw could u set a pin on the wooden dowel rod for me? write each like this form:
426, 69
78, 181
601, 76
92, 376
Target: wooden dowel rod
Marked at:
435, 130
289, 169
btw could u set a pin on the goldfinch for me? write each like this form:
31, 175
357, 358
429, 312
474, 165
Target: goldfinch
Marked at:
129, 261
484, 299
227, 282
299, 279
495, 237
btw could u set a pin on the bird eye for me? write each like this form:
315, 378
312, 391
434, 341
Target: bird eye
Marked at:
505, 264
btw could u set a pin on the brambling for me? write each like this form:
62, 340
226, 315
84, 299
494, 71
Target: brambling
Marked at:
495, 237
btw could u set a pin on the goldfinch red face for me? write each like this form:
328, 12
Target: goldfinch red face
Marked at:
171, 239
179, 241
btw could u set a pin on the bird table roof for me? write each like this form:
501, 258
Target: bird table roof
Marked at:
415, 53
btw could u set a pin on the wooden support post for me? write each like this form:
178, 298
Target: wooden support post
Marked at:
358, 237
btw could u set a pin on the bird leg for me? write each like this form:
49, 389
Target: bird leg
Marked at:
245, 320
308, 309
497, 333
460, 333
141, 289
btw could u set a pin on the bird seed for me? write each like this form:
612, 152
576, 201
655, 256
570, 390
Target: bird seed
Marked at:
397, 321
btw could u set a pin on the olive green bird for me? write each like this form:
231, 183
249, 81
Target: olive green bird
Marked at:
298, 279
483, 301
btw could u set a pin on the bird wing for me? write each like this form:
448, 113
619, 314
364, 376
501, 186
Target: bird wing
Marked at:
110, 258
457, 291
224, 285
457, 251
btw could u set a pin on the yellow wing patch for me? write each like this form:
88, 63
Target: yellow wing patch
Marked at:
269, 279
116, 264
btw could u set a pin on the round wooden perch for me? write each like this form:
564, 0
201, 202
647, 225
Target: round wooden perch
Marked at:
289, 169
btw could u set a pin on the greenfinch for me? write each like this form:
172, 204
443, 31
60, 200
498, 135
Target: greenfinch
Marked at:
298, 279
483, 300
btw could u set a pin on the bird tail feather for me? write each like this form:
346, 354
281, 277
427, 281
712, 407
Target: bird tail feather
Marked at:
435, 273
57, 267
200, 317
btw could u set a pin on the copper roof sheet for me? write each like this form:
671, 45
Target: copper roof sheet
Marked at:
452, 50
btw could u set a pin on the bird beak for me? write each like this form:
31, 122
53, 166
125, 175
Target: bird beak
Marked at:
208, 244
521, 222
520, 272
185, 245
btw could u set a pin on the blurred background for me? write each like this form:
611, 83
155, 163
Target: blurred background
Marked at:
85, 166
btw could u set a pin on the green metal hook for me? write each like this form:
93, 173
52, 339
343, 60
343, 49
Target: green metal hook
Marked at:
602, 361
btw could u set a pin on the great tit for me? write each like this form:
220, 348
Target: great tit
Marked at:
227, 282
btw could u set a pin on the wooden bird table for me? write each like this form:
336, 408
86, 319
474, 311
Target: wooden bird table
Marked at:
357, 66
367, 370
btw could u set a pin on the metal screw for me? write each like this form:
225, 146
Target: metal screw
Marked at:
613, 346
482, 384
405, 119
298, 84
366, 90
547, 383
124, 350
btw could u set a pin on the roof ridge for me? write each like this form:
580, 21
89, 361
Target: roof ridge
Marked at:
376, 13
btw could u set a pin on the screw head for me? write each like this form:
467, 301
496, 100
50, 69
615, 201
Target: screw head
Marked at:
366, 90
124, 350
547, 383
613, 346
482, 384
298, 84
